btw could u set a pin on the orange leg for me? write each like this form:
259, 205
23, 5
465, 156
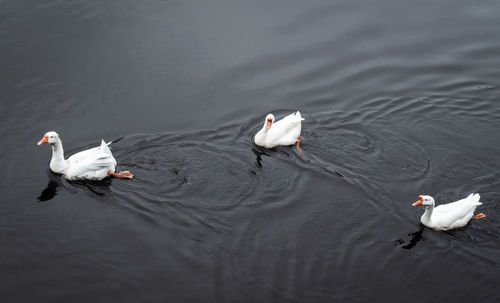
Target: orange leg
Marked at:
298, 146
123, 174
478, 216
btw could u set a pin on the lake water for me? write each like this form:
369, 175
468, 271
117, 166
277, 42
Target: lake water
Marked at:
400, 99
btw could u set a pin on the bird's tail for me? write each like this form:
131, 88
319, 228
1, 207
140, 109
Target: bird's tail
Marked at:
475, 198
105, 147
298, 116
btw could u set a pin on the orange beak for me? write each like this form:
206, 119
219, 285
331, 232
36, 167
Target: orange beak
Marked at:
45, 139
269, 122
419, 202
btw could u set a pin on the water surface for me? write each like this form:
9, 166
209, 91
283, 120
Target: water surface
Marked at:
400, 99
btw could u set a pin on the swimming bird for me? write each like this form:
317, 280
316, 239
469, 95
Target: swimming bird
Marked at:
92, 164
451, 215
283, 132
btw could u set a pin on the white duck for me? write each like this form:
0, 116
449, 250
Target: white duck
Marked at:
451, 215
283, 132
92, 164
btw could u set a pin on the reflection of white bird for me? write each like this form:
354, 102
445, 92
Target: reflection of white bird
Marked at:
451, 215
91, 164
283, 132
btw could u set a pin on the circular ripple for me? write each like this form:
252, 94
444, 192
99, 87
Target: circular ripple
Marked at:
360, 152
209, 170
188, 169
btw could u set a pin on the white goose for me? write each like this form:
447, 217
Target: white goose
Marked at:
283, 132
451, 215
92, 164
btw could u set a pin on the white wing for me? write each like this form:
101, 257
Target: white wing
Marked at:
287, 130
456, 214
91, 161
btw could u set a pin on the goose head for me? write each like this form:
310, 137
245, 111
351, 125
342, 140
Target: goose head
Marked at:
269, 121
425, 201
50, 137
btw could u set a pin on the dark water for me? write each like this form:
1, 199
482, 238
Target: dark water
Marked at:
400, 99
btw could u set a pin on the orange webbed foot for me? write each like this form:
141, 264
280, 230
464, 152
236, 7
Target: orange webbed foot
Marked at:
298, 146
478, 216
123, 174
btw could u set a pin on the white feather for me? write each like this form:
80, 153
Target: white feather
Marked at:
283, 132
452, 215
90, 164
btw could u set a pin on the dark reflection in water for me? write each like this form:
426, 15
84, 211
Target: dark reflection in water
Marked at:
258, 154
399, 99
99, 188
415, 238
49, 192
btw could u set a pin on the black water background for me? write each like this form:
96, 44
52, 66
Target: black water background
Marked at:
400, 99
